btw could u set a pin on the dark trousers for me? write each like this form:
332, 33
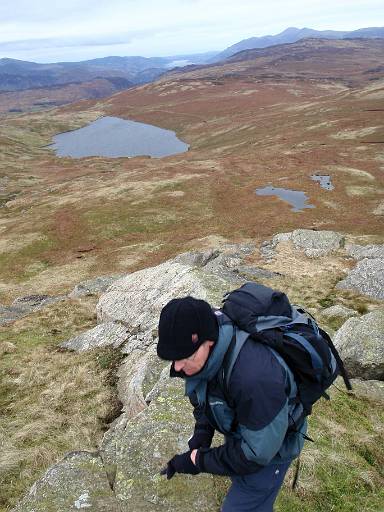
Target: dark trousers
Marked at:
256, 492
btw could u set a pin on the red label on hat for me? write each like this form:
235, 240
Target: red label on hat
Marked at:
195, 338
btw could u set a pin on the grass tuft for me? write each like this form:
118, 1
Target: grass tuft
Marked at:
52, 401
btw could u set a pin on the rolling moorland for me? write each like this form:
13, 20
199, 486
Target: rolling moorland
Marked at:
26, 86
29, 86
270, 116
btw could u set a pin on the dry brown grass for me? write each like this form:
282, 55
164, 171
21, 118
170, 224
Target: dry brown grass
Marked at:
52, 401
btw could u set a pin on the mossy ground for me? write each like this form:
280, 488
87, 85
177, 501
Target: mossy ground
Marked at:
343, 470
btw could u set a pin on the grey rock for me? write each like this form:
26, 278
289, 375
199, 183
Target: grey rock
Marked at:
9, 314
138, 375
338, 312
4, 180
224, 262
94, 286
137, 299
23, 306
267, 248
228, 265
360, 342
78, 482
359, 252
160, 385
139, 341
31, 301
366, 278
249, 272
317, 243
142, 448
371, 389
197, 259
103, 335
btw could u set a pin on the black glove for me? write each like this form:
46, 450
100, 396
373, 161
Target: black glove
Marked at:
201, 438
180, 464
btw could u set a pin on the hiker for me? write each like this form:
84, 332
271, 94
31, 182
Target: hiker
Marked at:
254, 413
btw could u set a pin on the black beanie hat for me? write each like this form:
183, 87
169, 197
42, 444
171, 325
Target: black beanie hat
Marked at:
179, 320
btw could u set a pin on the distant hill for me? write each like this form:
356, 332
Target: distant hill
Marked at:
18, 75
351, 62
293, 34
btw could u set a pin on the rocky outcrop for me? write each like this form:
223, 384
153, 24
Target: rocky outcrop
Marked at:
93, 286
103, 335
317, 243
360, 342
314, 244
77, 482
23, 306
156, 419
366, 278
140, 450
338, 312
359, 252
371, 389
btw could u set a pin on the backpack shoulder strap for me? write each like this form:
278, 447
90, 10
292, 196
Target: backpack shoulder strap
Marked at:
240, 338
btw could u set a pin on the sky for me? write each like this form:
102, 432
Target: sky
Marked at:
74, 30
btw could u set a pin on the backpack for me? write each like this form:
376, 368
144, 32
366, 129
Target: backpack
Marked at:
267, 317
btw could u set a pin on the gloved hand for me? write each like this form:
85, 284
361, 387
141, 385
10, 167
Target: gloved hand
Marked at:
200, 439
180, 464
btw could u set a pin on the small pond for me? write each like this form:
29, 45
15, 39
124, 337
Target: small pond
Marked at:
296, 198
114, 137
324, 180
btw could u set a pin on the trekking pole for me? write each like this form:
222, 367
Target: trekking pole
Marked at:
296, 475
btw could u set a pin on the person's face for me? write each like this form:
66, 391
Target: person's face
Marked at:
194, 363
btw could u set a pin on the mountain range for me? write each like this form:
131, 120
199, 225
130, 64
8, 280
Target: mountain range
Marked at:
293, 34
29, 86
18, 74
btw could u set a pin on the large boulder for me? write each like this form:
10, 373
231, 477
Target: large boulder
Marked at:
23, 306
338, 312
77, 482
156, 419
139, 449
93, 286
359, 252
103, 335
366, 278
371, 389
317, 243
314, 244
360, 342
137, 299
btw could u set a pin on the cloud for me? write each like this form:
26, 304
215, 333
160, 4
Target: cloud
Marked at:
40, 44
75, 29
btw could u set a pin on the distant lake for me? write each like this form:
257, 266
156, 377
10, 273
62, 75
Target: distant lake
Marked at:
296, 198
114, 137
324, 180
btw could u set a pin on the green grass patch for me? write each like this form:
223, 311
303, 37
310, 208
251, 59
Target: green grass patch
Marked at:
342, 471
27, 261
